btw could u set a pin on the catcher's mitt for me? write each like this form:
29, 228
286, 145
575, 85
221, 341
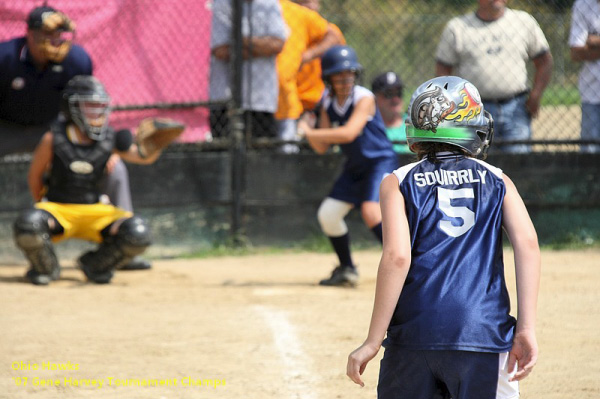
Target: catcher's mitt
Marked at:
154, 134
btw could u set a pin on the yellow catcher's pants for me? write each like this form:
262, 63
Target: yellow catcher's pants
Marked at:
83, 221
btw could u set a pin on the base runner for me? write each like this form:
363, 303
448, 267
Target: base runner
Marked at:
441, 294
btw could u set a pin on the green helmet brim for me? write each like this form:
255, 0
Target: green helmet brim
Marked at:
463, 137
441, 134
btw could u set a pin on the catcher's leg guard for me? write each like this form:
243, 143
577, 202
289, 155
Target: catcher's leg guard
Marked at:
32, 236
132, 238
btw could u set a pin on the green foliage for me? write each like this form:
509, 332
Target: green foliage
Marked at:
575, 240
561, 95
570, 241
318, 243
559, 5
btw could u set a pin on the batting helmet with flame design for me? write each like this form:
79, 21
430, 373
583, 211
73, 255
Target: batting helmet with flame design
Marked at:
448, 109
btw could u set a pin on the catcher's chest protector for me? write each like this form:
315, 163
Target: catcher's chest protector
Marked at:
77, 170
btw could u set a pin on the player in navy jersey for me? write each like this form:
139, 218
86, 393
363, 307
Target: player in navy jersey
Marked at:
350, 119
441, 294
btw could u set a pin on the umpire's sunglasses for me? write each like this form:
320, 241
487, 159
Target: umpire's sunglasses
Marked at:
391, 93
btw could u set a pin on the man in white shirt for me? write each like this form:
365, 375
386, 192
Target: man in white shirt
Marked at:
491, 48
584, 40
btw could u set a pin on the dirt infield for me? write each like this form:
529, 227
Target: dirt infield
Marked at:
250, 327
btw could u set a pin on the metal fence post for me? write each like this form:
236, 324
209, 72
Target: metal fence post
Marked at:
237, 142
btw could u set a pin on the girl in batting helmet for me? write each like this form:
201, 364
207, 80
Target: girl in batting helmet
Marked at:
442, 303
339, 59
349, 119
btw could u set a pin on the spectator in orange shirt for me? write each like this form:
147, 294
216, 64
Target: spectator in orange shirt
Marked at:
310, 84
310, 36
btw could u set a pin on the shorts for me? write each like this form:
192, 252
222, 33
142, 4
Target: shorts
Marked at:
83, 221
357, 187
433, 374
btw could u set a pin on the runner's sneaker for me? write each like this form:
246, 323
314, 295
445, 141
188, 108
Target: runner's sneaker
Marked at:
342, 276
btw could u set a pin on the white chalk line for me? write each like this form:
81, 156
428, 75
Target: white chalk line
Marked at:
296, 365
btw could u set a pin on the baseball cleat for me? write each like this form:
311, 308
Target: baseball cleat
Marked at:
137, 263
92, 272
40, 278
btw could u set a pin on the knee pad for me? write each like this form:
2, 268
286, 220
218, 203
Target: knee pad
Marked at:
32, 235
132, 239
32, 222
331, 216
133, 236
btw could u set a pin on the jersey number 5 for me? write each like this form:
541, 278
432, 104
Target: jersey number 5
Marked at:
468, 216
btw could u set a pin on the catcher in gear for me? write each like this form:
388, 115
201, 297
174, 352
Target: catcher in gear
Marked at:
64, 177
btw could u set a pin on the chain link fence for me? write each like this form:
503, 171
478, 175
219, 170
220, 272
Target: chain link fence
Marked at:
155, 55
403, 36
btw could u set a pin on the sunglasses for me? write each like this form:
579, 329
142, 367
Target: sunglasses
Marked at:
391, 93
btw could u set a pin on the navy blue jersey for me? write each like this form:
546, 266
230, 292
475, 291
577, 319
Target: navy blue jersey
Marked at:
29, 96
455, 295
372, 145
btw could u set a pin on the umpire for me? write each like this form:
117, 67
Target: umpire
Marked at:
34, 70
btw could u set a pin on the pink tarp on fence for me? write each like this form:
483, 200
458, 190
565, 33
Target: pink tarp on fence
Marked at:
145, 51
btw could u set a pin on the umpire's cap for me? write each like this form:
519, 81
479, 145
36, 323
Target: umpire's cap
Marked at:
35, 19
387, 81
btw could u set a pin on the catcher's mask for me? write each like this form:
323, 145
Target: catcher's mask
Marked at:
52, 31
86, 103
448, 109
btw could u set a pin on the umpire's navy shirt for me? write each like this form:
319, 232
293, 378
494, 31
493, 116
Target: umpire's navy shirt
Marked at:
29, 96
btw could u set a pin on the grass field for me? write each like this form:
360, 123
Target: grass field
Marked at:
254, 326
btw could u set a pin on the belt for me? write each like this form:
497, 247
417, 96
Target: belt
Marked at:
505, 99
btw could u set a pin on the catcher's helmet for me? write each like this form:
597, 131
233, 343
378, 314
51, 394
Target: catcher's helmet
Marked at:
86, 103
448, 109
338, 59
